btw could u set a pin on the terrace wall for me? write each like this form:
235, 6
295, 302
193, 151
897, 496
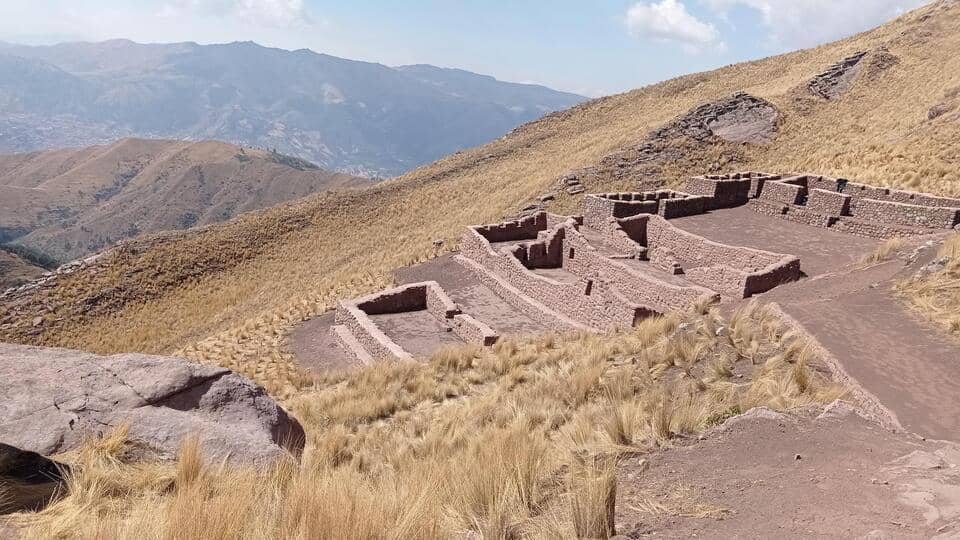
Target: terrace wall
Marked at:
354, 317
731, 270
722, 191
909, 215
860, 191
584, 260
590, 301
828, 202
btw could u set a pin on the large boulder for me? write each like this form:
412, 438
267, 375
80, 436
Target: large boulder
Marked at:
54, 398
28, 481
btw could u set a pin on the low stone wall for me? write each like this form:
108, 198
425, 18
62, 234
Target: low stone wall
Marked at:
345, 339
861, 209
731, 270
354, 317
908, 215
845, 224
872, 229
682, 206
858, 190
376, 343
515, 297
783, 192
521, 229
723, 191
828, 202
797, 214
667, 203
591, 302
602, 206
583, 260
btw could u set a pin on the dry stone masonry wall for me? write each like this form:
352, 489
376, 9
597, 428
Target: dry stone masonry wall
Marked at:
623, 259
859, 209
357, 333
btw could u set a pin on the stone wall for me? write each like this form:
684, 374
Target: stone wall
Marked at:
521, 229
908, 215
783, 192
353, 317
858, 191
861, 209
732, 270
589, 301
584, 260
665, 202
830, 203
682, 206
377, 344
846, 224
722, 191
515, 297
604, 205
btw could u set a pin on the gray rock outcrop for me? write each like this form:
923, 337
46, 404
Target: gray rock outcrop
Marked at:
740, 118
53, 398
838, 78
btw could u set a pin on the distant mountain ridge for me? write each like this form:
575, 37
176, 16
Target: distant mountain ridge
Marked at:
359, 117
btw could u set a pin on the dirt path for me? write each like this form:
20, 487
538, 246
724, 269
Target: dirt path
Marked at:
911, 367
852, 479
314, 348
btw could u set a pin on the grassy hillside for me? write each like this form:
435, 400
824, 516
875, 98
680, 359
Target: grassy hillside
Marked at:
15, 270
228, 293
76, 201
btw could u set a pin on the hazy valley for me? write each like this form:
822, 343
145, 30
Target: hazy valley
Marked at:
358, 117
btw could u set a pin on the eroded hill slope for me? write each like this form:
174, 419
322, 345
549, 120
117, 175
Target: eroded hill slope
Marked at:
228, 293
68, 203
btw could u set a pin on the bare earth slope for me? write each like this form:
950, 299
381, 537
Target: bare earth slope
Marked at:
75, 201
229, 293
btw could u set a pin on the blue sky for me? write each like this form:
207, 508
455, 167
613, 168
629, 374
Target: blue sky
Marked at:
589, 47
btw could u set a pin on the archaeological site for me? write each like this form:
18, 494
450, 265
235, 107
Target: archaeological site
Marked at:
628, 256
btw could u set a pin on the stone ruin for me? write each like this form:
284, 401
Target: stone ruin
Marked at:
624, 258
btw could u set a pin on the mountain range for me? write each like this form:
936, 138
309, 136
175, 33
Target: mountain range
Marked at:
357, 117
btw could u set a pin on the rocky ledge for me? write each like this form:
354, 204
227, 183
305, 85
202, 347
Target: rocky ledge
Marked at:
54, 398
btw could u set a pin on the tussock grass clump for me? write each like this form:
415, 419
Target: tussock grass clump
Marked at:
886, 249
520, 440
936, 295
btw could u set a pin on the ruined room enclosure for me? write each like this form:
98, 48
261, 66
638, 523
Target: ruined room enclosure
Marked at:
627, 256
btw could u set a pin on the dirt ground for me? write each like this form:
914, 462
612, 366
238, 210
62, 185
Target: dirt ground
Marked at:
766, 475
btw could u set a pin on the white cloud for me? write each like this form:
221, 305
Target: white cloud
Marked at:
270, 13
806, 23
669, 20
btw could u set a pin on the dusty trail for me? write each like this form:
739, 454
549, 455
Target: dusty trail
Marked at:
912, 368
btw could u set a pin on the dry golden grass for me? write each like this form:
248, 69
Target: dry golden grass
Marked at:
520, 440
884, 251
937, 295
228, 294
